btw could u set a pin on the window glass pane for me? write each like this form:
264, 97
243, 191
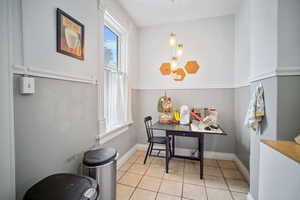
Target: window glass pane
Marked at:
110, 49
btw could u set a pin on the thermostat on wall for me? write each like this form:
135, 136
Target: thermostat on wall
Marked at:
26, 85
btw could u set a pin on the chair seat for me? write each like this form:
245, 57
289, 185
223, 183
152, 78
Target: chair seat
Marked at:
159, 140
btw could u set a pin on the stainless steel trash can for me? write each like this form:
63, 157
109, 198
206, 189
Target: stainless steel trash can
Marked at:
101, 164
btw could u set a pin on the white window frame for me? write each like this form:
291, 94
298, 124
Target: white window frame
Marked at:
122, 34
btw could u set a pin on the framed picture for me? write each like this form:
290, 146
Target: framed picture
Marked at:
70, 35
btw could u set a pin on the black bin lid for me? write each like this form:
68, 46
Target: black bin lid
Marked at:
99, 157
63, 187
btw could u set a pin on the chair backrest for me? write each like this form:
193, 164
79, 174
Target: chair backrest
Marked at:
148, 124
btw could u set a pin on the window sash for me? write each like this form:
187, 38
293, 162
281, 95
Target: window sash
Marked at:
118, 64
116, 80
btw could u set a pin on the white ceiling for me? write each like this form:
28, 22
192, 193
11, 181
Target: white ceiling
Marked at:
154, 12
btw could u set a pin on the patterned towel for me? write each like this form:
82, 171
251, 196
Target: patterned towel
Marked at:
256, 110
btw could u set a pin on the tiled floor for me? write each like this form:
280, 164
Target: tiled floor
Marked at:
222, 180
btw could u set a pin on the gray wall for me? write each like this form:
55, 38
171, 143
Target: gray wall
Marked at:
242, 148
268, 132
53, 128
123, 143
281, 121
288, 107
221, 99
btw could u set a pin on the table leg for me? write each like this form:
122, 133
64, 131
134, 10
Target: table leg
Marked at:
201, 152
173, 145
167, 156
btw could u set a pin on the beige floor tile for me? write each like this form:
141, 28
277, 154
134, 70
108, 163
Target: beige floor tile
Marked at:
193, 179
130, 179
187, 161
239, 196
215, 182
135, 155
150, 183
194, 192
177, 167
227, 164
212, 171
155, 172
138, 169
158, 161
191, 168
210, 163
238, 185
216, 194
161, 196
232, 174
120, 174
171, 187
124, 192
141, 159
132, 159
174, 175
125, 166
140, 194
177, 162
140, 153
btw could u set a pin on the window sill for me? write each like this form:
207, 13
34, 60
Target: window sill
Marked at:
112, 133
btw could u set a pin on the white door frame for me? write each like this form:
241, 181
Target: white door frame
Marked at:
7, 150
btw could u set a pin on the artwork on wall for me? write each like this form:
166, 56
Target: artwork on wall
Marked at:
70, 35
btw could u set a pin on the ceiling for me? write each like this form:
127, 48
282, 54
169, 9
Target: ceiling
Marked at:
154, 12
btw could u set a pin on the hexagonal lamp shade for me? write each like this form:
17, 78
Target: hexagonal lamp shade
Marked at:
179, 74
191, 67
165, 69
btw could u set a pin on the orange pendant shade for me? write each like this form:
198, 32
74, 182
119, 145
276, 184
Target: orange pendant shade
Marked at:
179, 74
165, 69
192, 67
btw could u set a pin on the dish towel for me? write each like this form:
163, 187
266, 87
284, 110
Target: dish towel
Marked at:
256, 110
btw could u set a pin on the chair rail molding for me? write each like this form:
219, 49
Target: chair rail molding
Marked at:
288, 71
39, 72
279, 71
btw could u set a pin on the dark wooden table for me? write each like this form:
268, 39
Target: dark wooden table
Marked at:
186, 131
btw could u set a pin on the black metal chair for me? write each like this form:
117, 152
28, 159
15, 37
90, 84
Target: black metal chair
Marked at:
157, 140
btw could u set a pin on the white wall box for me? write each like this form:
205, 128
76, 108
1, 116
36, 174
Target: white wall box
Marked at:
27, 85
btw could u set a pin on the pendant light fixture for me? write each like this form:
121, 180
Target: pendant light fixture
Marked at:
172, 40
179, 50
174, 63
171, 68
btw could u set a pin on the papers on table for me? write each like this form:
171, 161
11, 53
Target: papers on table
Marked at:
200, 127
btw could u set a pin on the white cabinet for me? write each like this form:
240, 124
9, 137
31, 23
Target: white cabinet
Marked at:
279, 175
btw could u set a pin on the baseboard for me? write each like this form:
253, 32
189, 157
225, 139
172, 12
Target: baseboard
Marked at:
188, 152
126, 156
249, 196
242, 168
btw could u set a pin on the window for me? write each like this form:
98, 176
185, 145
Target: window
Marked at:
111, 50
115, 75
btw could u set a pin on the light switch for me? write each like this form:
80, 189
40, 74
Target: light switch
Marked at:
27, 85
